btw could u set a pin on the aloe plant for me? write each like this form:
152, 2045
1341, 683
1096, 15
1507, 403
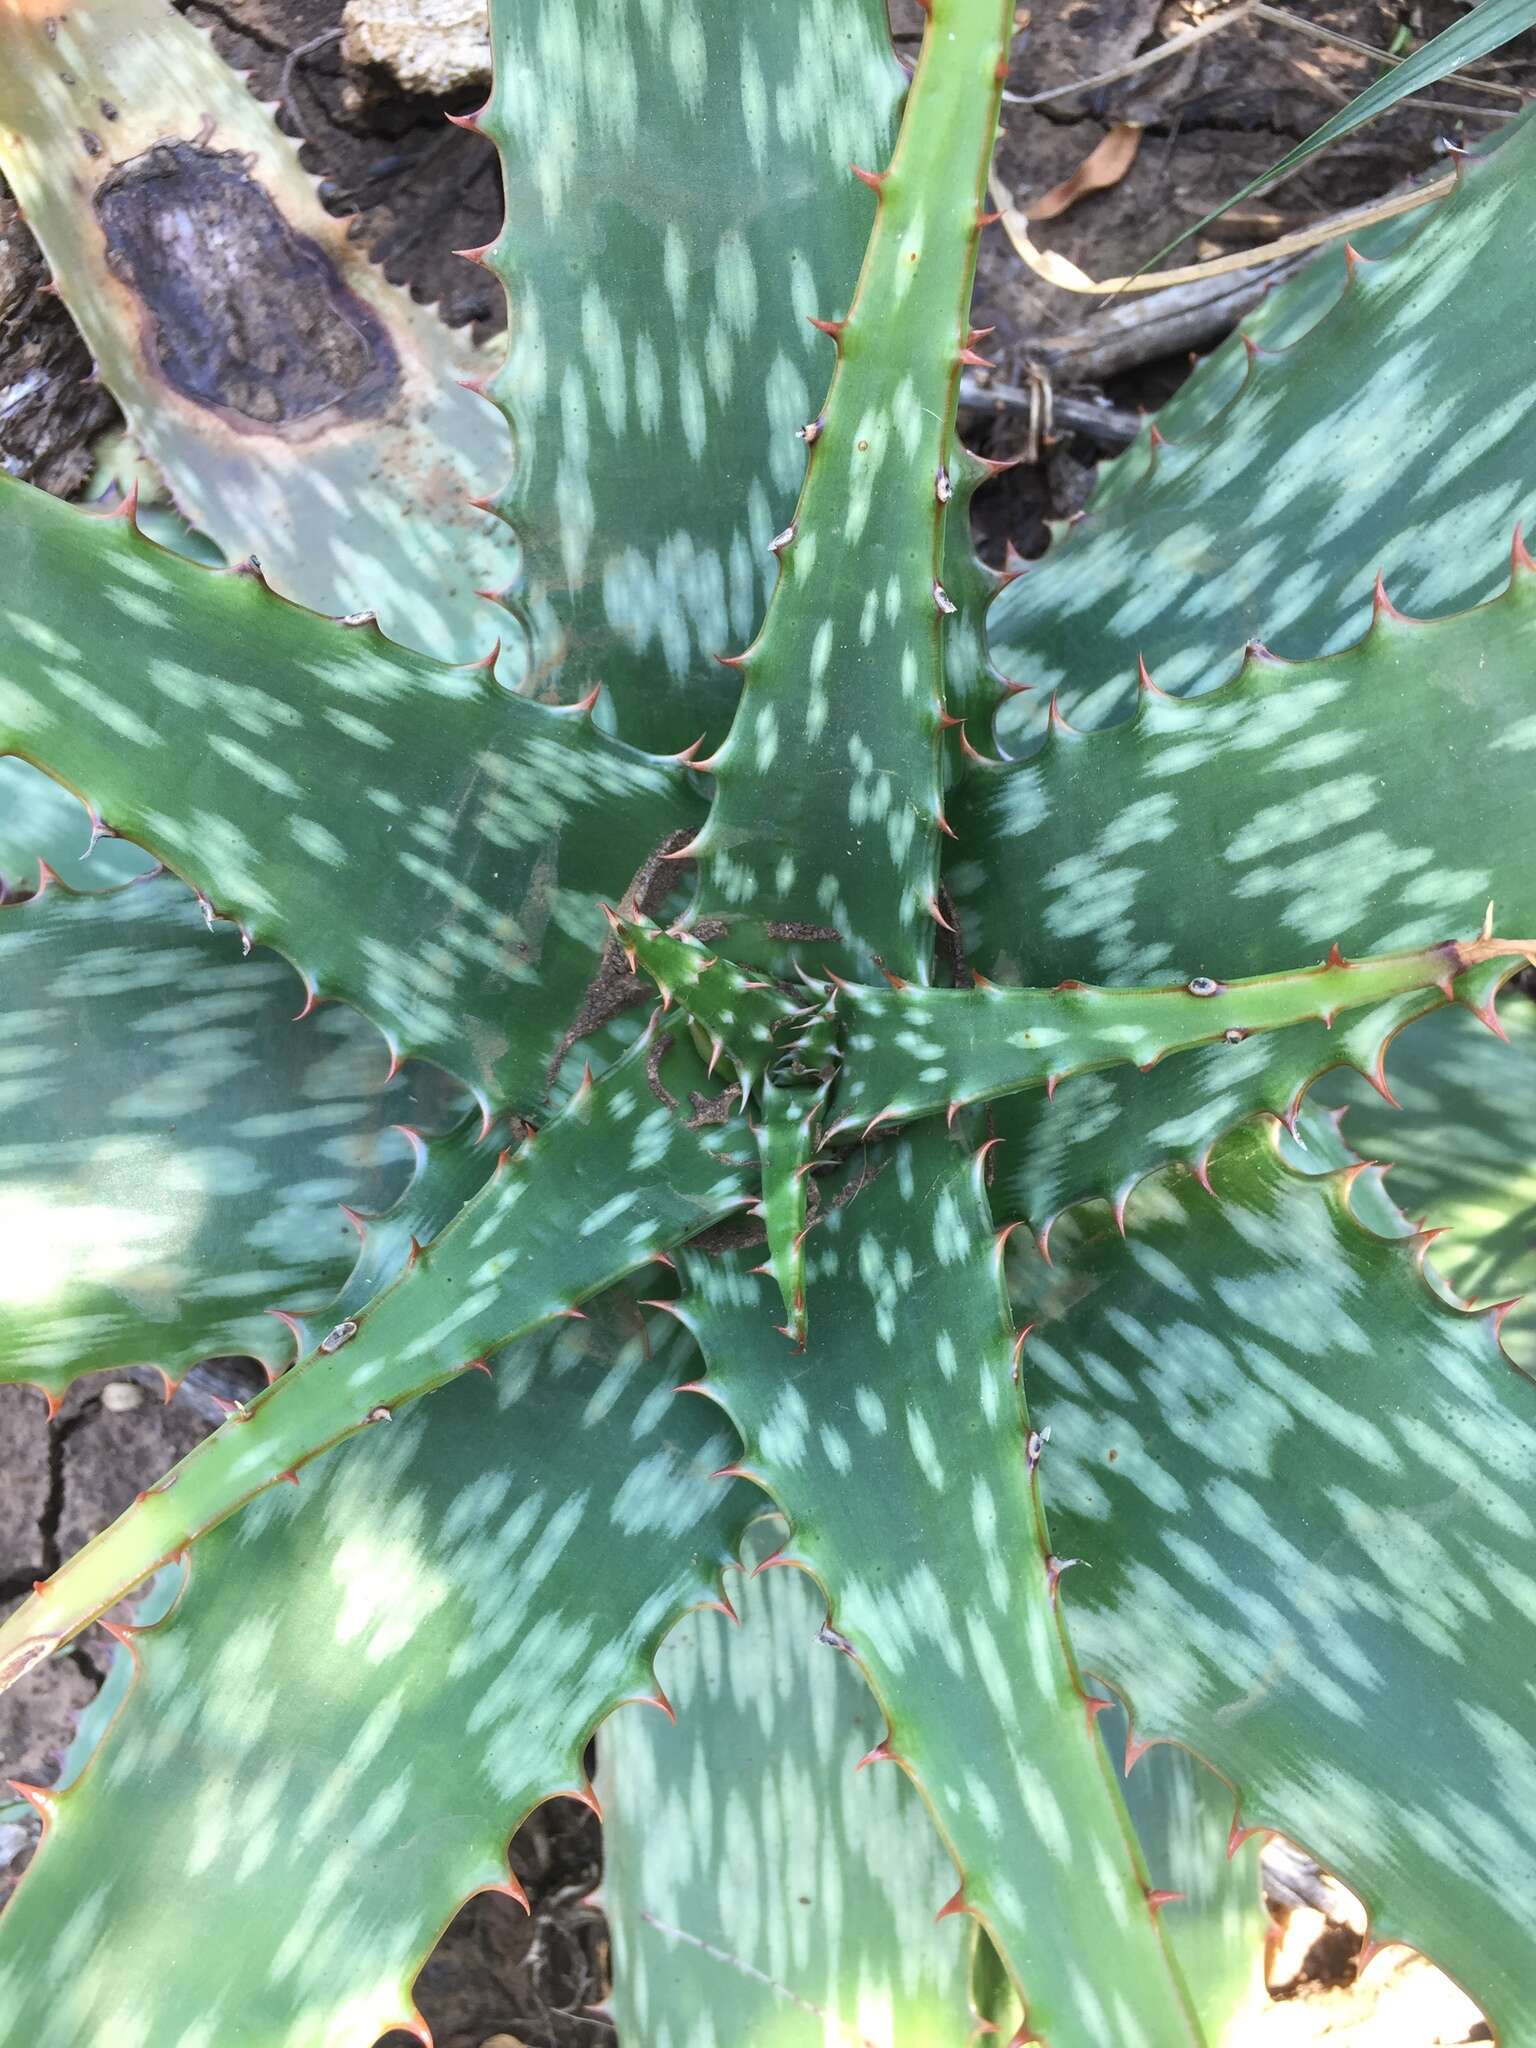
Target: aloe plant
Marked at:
750, 954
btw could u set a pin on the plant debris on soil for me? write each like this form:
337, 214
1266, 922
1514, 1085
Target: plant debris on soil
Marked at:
367, 97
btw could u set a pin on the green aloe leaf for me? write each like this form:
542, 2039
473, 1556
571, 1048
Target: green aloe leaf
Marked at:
1374, 799
620, 1176
898, 1448
1461, 1143
1377, 440
678, 202
1101, 1134
914, 1051
175, 1146
827, 810
1297, 1479
761, 1891
413, 839
300, 407
41, 822
364, 1688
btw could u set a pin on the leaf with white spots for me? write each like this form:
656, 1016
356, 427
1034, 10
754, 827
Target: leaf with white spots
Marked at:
175, 1146
1462, 1148
364, 1688
761, 1890
1376, 799
824, 830
415, 840
1299, 1481
1101, 1134
41, 822
678, 202
623, 1174
914, 1051
301, 408
764, 1892
898, 1448
1391, 436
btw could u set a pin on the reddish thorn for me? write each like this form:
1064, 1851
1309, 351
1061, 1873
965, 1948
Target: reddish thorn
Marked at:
39, 1586
978, 334
981, 1152
1056, 1569
1135, 1750
951, 1113
657, 1699
975, 361
585, 1796
469, 121
1002, 1236
1094, 1707
576, 1315
478, 254
1052, 1083
290, 1475
1500, 1309
1519, 554
1043, 1241
832, 327
873, 179
1117, 1209
585, 704
723, 1471
354, 1217
937, 914
477, 1365
1201, 1169
895, 980
292, 1323
120, 1632
43, 1802
882, 1753
1381, 604
414, 1252
1335, 957
988, 220
1237, 1834
722, 1606
1144, 682
944, 825
954, 1904
1157, 1900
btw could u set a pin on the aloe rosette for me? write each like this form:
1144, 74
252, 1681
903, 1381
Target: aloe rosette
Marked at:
837, 1082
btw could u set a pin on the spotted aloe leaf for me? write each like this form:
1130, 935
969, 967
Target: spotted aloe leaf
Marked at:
922, 1049
413, 839
827, 811
760, 1888
660, 361
1460, 1139
1375, 441
299, 406
41, 822
612, 1182
1303, 805
176, 1146
364, 1688
1297, 1475
899, 1450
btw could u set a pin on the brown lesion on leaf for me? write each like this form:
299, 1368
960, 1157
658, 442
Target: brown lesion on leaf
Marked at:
241, 313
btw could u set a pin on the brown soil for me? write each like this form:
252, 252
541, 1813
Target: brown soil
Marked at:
419, 188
